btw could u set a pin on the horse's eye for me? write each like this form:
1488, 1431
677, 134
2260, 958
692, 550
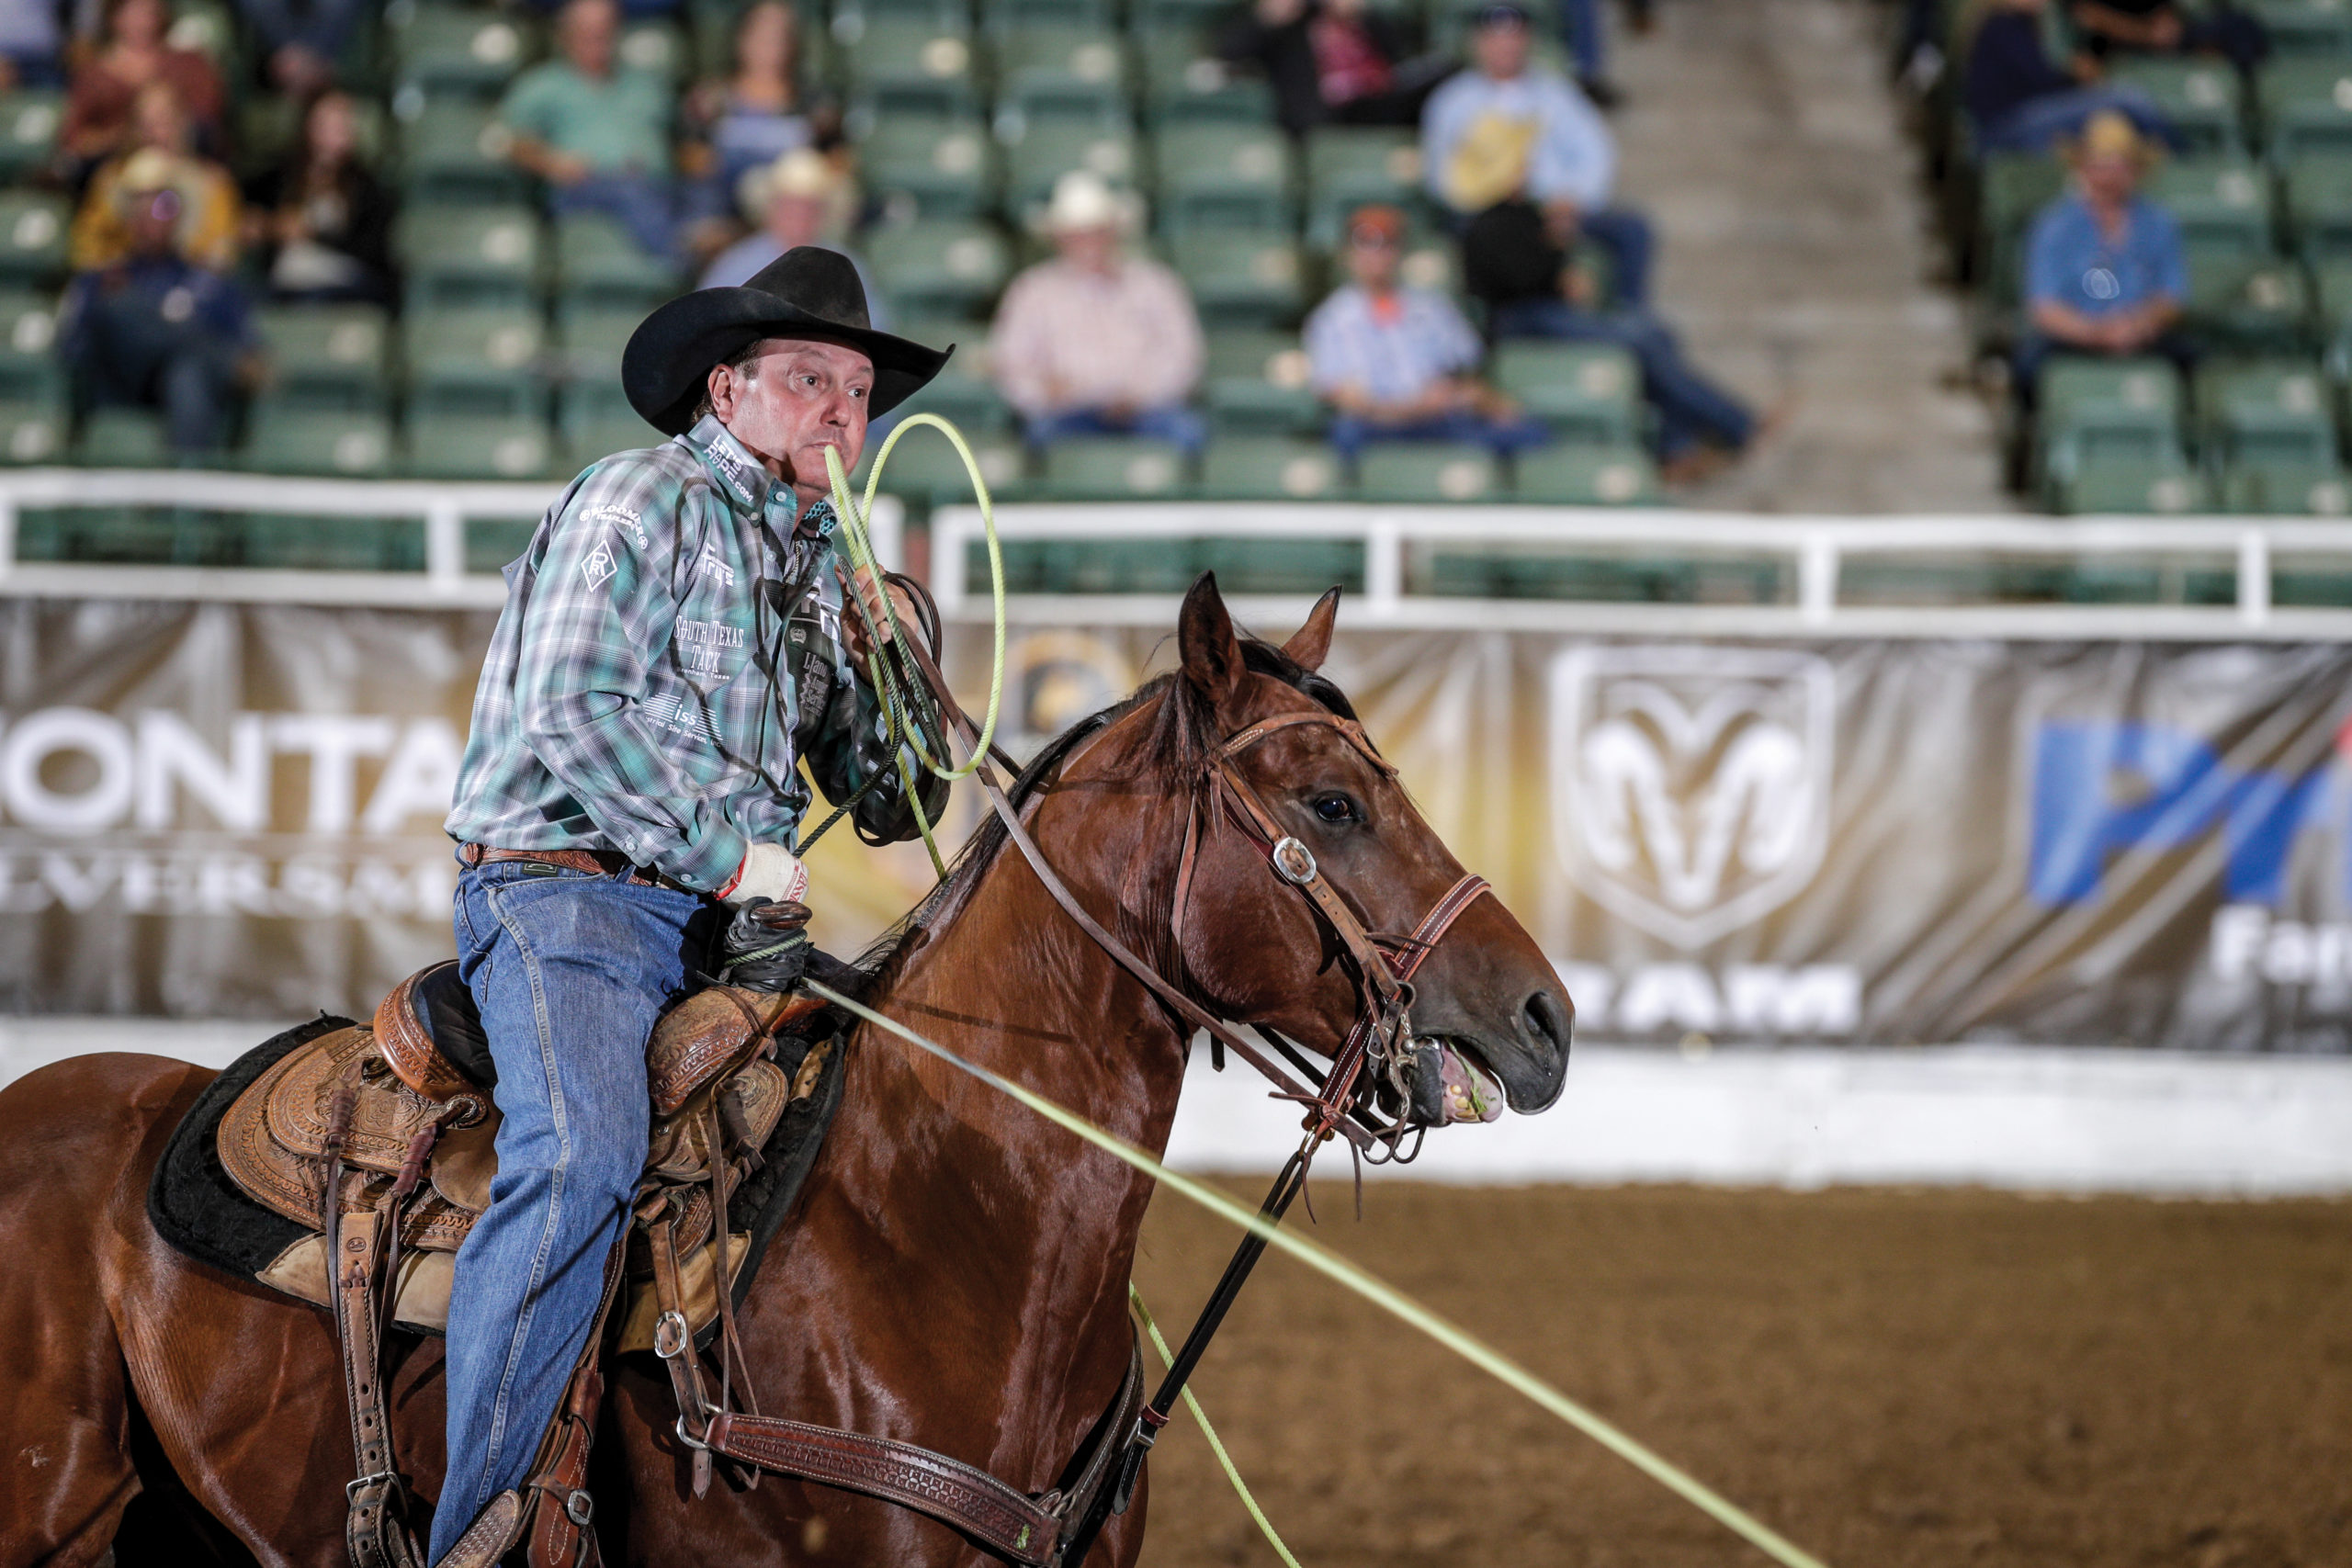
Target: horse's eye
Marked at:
1335, 809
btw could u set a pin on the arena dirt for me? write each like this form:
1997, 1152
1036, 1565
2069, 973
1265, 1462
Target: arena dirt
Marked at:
1893, 1378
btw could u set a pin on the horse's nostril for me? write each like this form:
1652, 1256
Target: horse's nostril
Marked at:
1546, 1017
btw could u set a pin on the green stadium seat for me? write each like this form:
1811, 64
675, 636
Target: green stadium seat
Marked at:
2263, 391
445, 47
1177, 17
1183, 81
911, 65
999, 15
29, 121
1271, 468
1450, 21
653, 45
1062, 73
485, 360
945, 165
2306, 107
1223, 176
1275, 565
1129, 467
469, 255
204, 28
924, 469
2127, 483
962, 395
597, 265
1441, 471
2321, 28
326, 357
454, 152
456, 447
596, 422
1242, 276
1259, 381
1046, 150
2221, 204
123, 438
300, 441
943, 266
1349, 166
2011, 189
29, 368
2259, 303
32, 236
1588, 393
2316, 490
2096, 410
1587, 476
2318, 191
592, 338
31, 432
2201, 98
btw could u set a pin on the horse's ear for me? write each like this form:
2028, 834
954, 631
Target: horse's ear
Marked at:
1205, 638
1313, 643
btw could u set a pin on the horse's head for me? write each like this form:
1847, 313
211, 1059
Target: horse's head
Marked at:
1254, 946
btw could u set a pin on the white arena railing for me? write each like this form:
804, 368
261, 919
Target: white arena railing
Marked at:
1813, 552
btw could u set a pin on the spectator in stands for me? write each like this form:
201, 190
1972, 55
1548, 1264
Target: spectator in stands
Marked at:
1500, 131
2021, 101
2163, 26
322, 221
152, 329
100, 121
1516, 260
208, 211
31, 44
1095, 342
597, 134
301, 40
749, 119
802, 199
1332, 62
2105, 273
1397, 363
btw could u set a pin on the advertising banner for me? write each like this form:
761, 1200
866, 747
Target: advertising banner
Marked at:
220, 810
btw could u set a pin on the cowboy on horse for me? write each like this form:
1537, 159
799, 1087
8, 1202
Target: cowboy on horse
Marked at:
675, 645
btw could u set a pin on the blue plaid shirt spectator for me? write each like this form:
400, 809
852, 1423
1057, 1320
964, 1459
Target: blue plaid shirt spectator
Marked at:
1392, 348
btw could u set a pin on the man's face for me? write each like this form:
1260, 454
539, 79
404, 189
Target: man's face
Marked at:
795, 221
1372, 261
1095, 248
590, 27
2109, 179
1501, 49
801, 398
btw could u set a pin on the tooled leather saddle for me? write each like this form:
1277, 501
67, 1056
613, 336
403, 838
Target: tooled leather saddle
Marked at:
343, 1164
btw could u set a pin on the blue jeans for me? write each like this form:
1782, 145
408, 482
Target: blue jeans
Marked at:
1625, 235
1580, 27
2040, 124
570, 969
1172, 423
644, 204
1691, 409
1350, 433
132, 355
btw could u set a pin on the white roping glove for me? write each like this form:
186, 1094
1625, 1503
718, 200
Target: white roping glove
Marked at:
769, 870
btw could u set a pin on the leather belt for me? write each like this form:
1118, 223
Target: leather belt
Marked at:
600, 863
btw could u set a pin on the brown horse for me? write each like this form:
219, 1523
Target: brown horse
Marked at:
957, 1273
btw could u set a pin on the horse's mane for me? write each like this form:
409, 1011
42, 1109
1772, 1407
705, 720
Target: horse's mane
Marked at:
1182, 735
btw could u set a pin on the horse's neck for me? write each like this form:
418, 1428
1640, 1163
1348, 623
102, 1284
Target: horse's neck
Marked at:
1008, 1229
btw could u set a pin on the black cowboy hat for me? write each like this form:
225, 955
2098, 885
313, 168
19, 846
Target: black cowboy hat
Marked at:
807, 292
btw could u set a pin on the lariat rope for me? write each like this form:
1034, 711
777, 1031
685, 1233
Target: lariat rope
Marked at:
896, 683
1371, 1288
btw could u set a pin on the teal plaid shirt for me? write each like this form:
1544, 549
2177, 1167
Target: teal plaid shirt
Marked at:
671, 648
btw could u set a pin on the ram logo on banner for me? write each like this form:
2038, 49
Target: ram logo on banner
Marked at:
1692, 784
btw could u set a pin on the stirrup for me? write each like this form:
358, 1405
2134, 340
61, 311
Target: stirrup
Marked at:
491, 1535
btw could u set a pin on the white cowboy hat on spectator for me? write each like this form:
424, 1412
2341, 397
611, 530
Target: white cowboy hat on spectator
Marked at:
801, 171
1083, 199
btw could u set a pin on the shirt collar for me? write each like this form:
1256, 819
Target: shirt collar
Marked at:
748, 485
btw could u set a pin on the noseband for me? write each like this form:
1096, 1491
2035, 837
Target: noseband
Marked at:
1384, 965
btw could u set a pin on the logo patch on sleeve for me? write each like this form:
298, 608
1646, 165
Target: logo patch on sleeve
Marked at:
599, 565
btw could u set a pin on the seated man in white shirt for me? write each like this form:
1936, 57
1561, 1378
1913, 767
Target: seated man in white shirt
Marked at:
1095, 342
